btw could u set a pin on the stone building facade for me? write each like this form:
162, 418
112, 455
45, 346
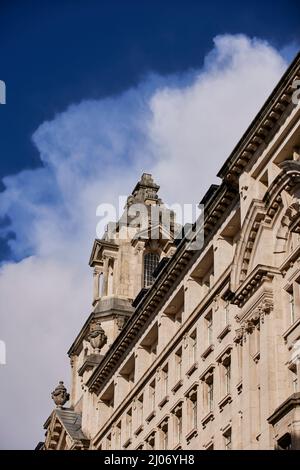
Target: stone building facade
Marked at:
198, 349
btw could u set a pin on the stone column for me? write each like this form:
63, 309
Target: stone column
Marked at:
96, 285
105, 275
247, 418
268, 374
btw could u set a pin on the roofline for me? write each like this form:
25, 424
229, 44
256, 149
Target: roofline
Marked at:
292, 68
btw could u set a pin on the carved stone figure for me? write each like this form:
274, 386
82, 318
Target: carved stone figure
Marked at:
97, 336
60, 395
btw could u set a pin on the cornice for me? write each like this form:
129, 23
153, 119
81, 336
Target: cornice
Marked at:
254, 280
263, 125
98, 246
292, 402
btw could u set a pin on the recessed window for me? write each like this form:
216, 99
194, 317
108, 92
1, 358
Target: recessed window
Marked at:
192, 408
178, 363
285, 442
151, 442
227, 440
118, 435
193, 347
209, 328
165, 380
164, 432
208, 392
225, 370
140, 406
151, 261
178, 424
129, 424
293, 301
152, 395
292, 305
227, 374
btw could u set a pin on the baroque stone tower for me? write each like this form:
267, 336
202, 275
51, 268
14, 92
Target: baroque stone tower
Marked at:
123, 263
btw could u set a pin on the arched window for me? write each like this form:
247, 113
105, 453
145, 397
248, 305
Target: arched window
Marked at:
151, 261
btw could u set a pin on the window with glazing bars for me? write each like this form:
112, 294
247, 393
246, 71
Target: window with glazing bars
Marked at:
151, 261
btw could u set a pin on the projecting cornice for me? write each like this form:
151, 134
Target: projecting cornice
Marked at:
256, 278
99, 247
264, 125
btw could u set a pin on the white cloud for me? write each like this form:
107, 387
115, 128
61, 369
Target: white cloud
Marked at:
180, 128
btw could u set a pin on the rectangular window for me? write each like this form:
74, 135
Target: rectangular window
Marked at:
292, 305
129, 424
193, 346
140, 404
151, 442
210, 394
179, 428
209, 328
118, 435
192, 408
285, 442
240, 359
178, 424
227, 440
194, 411
164, 435
178, 364
165, 380
227, 375
152, 395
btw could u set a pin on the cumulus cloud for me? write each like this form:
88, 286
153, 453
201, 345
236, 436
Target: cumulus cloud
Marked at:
181, 129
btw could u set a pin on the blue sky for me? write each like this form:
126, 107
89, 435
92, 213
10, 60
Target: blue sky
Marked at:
55, 53
97, 93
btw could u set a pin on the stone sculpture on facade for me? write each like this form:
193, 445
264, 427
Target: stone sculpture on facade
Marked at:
97, 337
60, 396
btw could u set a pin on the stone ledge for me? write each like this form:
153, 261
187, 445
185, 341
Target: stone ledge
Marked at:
224, 401
207, 418
191, 434
177, 386
292, 402
163, 401
139, 430
207, 351
150, 416
192, 369
223, 333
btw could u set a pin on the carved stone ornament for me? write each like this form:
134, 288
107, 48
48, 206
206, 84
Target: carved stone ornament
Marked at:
239, 335
60, 396
97, 336
120, 322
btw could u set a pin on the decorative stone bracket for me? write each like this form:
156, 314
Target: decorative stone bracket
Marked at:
253, 319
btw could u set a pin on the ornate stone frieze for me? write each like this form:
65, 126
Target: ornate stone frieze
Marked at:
254, 317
